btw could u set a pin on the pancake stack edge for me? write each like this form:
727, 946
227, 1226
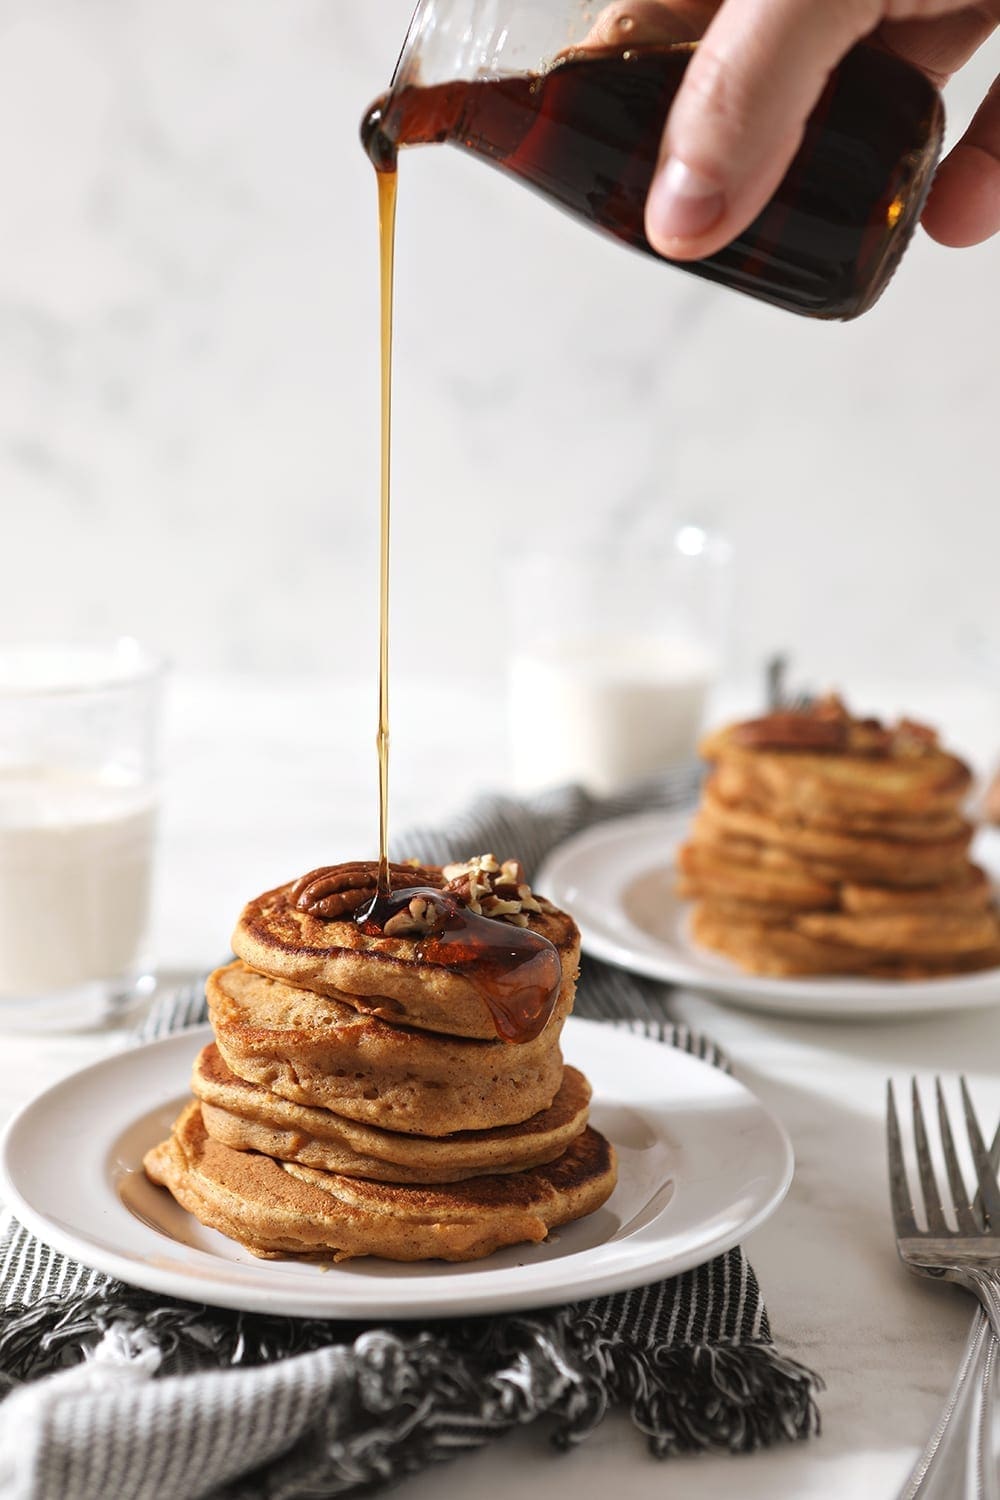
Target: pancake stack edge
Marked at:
320, 1128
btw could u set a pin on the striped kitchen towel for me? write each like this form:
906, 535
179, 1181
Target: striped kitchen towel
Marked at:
112, 1391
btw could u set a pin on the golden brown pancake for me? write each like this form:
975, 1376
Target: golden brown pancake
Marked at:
860, 857
917, 935
769, 857
733, 848
825, 762
868, 804
970, 891
250, 1118
382, 976
315, 1051
706, 872
279, 1210
778, 950
770, 913
898, 826
936, 968
761, 948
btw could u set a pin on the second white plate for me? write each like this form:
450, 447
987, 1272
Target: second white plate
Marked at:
617, 879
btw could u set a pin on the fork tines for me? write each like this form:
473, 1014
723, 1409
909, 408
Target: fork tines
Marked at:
972, 1216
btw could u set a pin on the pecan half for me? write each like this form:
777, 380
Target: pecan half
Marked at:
792, 731
340, 890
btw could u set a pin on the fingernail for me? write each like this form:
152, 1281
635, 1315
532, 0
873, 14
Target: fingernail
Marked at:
682, 203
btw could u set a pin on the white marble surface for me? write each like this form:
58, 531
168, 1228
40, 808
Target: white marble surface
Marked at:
188, 379
266, 780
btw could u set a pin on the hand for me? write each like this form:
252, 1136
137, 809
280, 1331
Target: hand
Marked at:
757, 74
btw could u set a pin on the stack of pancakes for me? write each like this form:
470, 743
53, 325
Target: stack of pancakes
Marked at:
826, 844
357, 1099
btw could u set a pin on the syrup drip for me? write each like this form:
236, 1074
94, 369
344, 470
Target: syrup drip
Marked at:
516, 971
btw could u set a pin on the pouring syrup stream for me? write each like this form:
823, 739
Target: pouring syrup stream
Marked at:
387, 183
516, 971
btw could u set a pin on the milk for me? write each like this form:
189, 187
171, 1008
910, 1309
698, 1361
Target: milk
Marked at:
604, 710
75, 862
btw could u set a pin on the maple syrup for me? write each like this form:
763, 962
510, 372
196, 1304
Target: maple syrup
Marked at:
587, 134
516, 971
387, 183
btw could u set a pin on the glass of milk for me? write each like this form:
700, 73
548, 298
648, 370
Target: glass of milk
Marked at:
611, 656
79, 741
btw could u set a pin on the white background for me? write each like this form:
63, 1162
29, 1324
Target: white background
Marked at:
188, 377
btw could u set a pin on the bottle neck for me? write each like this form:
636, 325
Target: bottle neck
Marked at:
467, 39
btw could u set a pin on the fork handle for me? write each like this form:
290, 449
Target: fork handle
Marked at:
960, 1460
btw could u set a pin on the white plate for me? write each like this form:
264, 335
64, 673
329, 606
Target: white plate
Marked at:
701, 1163
618, 881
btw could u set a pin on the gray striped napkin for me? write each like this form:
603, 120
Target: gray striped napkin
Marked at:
113, 1391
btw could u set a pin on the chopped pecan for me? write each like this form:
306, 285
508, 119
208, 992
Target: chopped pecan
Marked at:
340, 890
492, 889
415, 920
830, 706
911, 738
871, 738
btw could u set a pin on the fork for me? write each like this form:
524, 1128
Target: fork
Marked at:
776, 696
960, 1458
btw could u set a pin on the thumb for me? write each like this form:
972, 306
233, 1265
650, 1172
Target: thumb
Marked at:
740, 113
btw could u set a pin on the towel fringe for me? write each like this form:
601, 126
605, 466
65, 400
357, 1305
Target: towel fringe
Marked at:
419, 1397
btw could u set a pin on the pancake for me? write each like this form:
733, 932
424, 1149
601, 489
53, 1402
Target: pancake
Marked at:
760, 948
739, 849
385, 976
314, 1050
916, 935
860, 857
708, 873
279, 1210
734, 909
890, 825
250, 1118
783, 951
824, 762
864, 802
970, 891
930, 967
768, 857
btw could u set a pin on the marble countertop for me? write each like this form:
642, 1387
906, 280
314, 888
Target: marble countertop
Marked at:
252, 797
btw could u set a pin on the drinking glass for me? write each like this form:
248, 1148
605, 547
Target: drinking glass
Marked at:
79, 783
612, 659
